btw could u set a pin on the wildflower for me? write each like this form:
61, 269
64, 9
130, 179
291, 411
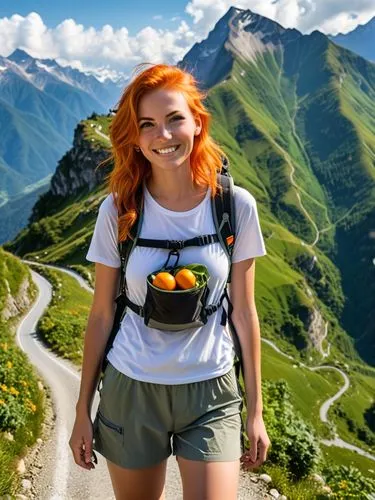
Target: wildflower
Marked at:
4, 346
343, 484
22, 382
4, 388
31, 405
9, 364
14, 391
2, 402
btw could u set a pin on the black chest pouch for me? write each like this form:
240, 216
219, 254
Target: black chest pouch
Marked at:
177, 309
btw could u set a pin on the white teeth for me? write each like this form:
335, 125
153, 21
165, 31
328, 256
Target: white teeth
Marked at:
167, 150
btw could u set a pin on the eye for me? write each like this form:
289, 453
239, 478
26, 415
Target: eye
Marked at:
178, 117
145, 123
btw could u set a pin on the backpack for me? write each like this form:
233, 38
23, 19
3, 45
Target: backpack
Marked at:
223, 211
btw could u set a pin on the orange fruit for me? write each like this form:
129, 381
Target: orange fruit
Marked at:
164, 281
185, 279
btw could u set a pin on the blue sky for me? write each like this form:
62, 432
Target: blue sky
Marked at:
114, 36
134, 15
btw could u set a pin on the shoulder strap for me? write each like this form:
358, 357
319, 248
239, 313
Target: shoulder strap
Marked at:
126, 247
223, 211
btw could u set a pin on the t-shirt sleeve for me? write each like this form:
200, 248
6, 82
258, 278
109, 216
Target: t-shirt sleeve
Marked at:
103, 247
249, 239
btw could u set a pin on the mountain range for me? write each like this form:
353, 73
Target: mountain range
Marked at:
41, 103
361, 40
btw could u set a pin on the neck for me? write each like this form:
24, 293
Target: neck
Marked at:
173, 186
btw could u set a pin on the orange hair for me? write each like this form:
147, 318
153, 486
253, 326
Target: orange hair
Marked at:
131, 168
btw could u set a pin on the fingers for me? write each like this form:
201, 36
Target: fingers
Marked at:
255, 457
88, 451
253, 448
80, 454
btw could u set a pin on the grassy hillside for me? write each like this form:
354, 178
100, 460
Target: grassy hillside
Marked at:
21, 399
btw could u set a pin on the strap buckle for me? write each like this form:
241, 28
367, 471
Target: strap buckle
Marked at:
175, 244
207, 239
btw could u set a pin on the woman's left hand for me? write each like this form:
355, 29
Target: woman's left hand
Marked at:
259, 443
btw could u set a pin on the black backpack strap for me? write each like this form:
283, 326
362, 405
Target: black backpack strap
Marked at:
126, 247
223, 211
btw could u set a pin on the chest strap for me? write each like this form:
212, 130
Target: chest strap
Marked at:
197, 241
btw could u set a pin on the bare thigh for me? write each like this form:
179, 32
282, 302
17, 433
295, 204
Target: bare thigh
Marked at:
209, 480
138, 484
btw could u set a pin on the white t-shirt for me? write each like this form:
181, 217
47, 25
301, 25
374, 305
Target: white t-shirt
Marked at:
190, 355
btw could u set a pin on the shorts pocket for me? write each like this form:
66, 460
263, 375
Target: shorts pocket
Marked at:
113, 428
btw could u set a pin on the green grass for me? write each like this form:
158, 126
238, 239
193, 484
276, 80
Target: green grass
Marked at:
341, 456
63, 326
21, 401
294, 490
309, 388
361, 390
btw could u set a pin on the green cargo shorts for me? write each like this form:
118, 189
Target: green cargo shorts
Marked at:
139, 424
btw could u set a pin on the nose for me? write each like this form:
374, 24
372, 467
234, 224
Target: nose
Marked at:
163, 132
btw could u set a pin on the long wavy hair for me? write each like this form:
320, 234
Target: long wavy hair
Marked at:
130, 167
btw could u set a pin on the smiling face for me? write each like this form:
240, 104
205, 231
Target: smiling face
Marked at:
166, 129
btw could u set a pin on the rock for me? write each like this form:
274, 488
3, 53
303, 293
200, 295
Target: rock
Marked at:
326, 489
8, 436
21, 469
254, 479
40, 386
282, 497
317, 478
21, 497
39, 441
26, 484
274, 493
266, 478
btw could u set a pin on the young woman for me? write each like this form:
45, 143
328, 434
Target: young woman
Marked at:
166, 391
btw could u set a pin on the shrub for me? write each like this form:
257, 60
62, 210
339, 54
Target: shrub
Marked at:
294, 444
348, 482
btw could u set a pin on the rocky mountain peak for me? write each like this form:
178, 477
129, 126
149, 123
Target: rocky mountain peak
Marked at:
20, 56
241, 33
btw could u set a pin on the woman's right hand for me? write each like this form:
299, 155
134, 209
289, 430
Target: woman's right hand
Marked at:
81, 441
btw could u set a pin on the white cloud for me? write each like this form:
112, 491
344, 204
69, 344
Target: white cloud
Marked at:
157, 17
87, 48
305, 15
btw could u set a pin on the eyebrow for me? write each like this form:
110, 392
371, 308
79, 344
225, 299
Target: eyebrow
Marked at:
169, 114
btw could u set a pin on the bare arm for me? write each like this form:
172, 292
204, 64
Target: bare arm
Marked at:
245, 320
98, 328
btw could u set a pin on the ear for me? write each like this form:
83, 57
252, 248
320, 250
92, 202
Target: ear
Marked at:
198, 126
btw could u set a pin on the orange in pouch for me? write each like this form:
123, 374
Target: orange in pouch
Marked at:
165, 281
185, 279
